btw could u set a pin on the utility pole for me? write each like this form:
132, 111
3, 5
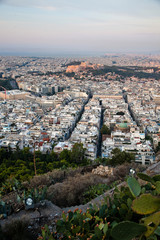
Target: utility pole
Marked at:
34, 160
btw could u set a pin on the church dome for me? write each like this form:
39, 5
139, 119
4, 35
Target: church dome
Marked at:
123, 125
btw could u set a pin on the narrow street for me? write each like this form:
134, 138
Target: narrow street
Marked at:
89, 97
129, 108
99, 147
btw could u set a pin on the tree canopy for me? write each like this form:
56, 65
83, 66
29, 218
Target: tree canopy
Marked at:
119, 157
105, 130
20, 163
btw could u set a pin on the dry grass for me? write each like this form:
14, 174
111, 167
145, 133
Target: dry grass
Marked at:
69, 192
51, 178
65, 187
120, 172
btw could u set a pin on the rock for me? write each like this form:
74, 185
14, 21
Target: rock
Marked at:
104, 171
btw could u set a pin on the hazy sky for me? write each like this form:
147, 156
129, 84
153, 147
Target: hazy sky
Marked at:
74, 26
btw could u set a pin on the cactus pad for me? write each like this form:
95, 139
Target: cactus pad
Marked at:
145, 177
134, 186
146, 204
151, 223
156, 178
127, 230
158, 187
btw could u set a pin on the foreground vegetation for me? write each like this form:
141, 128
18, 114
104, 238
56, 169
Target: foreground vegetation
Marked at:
133, 212
63, 187
133, 207
64, 183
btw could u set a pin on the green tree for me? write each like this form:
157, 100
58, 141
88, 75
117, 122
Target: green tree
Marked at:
3, 154
78, 154
53, 156
50, 166
105, 130
120, 113
119, 157
64, 163
148, 137
65, 154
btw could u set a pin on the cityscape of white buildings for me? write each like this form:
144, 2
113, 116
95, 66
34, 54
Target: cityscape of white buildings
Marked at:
54, 110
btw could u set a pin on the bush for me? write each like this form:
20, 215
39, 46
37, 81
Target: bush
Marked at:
52, 177
69, 192
94, 191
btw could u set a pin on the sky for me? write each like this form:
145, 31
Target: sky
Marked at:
79, 27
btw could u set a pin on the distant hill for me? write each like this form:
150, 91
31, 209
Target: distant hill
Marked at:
127, 72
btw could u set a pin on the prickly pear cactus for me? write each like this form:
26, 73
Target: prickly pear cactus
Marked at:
134, 186
146, 204
127, 230
156, 178
146, 178
151, 223
157, 187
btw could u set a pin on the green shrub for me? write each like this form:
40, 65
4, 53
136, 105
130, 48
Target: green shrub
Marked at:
133, 211
94, 191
